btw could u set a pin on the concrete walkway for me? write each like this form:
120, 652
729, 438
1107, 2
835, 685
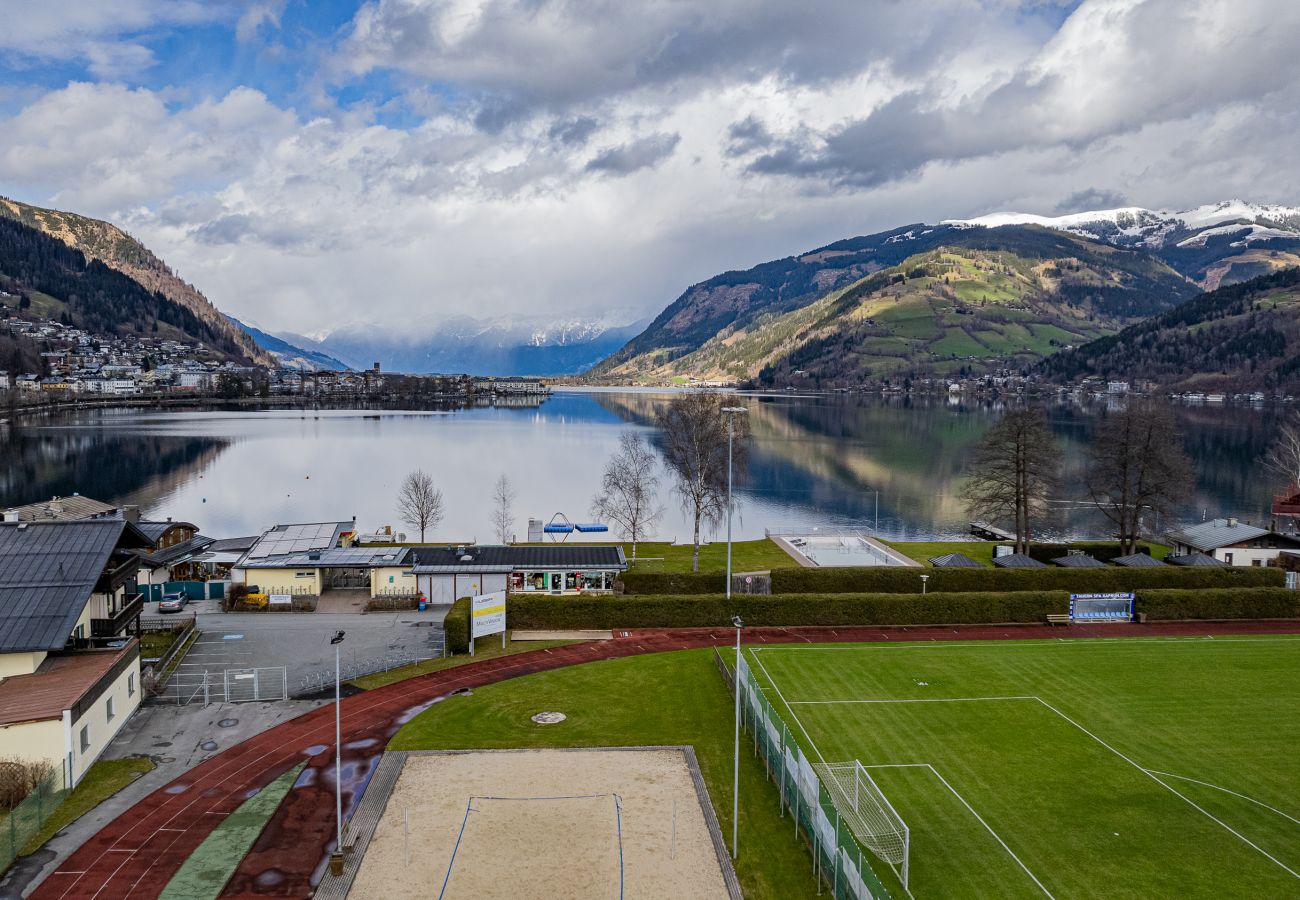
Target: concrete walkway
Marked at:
146, 844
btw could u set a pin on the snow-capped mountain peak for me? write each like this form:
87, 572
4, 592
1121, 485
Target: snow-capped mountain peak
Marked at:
1135, 226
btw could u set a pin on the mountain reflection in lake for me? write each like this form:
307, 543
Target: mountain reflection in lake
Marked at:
816, 462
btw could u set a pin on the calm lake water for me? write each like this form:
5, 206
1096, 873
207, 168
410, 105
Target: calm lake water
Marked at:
816, 462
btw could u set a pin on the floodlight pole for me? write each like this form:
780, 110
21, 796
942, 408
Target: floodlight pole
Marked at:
735, 773
336, 858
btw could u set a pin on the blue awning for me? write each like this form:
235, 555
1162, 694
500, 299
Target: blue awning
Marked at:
589, 527
559, 528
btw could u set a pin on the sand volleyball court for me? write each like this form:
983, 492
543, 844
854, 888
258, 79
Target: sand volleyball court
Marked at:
581, 824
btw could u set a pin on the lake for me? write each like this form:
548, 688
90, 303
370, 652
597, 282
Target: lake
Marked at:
816, 461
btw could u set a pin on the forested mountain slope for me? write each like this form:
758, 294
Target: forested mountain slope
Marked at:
1243, 337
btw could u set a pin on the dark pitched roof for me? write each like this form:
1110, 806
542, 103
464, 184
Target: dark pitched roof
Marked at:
1138, 561
61, 509
1078, 561
1017, 561
154, 531
177, 552
1218, 533
47, 573
955, 561
1194, 559
506, 559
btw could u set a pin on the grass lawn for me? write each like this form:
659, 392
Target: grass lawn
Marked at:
1107, 768
154, 644
104, 779
662, 698
485, 648
746, 556
922, 551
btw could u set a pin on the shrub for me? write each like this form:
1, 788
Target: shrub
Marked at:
712, 610
673, 582
1242, 603
19, 777
456, 625
1102, 550
900, 580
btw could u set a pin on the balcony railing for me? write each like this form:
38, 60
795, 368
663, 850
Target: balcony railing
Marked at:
117, 623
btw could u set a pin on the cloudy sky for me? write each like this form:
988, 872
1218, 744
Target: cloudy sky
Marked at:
311, 164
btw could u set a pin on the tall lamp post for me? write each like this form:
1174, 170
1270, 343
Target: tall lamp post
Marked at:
735, 772
731, 434
336, 858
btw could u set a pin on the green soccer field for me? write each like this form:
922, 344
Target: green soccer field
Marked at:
1097, 768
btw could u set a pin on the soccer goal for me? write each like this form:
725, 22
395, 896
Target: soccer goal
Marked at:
868, 813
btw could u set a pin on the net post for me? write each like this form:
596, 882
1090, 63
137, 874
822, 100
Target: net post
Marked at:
783, 769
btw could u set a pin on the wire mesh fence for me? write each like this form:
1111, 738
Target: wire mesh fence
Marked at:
318, 680
838, 858
20, 824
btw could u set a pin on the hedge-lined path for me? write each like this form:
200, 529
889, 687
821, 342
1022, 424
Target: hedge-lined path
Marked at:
138, 853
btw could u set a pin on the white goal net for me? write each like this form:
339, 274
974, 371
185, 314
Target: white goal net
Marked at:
868, 813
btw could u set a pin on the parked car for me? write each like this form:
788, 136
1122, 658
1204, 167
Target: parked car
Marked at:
172, 603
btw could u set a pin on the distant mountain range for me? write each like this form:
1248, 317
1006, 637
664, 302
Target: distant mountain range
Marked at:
290, 355
97, 276
1238, 338
501, 346
959, 297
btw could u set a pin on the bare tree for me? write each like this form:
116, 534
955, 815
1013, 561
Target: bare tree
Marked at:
419, 503
1283, 455
1012, 470
629, 490
1136, 464
695, 450
503, 500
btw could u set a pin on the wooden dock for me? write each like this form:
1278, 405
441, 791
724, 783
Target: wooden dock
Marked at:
987, 532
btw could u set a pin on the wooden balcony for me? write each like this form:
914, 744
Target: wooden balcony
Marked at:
118, 623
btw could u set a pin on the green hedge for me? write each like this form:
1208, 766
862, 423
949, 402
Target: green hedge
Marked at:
681, 610
673, 582
1102, 550
456, 626
901, 580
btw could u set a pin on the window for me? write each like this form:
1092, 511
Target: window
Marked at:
1257, 562
130, 684
108, 709
1227, 557
85, 738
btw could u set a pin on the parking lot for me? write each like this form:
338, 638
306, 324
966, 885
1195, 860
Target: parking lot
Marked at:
299, 642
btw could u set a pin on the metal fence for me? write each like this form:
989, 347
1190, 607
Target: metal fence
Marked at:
320, 679
18, 825
838, 859
226, 685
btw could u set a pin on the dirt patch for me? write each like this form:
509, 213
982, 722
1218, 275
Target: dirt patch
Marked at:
570, 823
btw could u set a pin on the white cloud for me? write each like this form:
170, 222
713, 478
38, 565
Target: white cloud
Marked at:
501, 196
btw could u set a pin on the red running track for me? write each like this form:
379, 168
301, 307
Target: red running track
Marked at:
137, 854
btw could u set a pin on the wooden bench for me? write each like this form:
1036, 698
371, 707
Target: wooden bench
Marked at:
1058, 618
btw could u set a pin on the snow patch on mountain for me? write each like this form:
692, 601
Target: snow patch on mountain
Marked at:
1134, 226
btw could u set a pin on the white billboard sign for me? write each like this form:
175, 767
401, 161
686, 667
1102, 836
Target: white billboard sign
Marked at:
487, 614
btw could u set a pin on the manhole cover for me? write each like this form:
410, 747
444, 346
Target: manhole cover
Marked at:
228, 723
208, 745
549, 718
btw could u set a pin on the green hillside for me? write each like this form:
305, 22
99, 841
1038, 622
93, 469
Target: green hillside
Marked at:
915, 301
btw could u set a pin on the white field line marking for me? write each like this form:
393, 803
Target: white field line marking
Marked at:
1227, 791
1247, 841
915, 700
868, 646
977, 816
989, 829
